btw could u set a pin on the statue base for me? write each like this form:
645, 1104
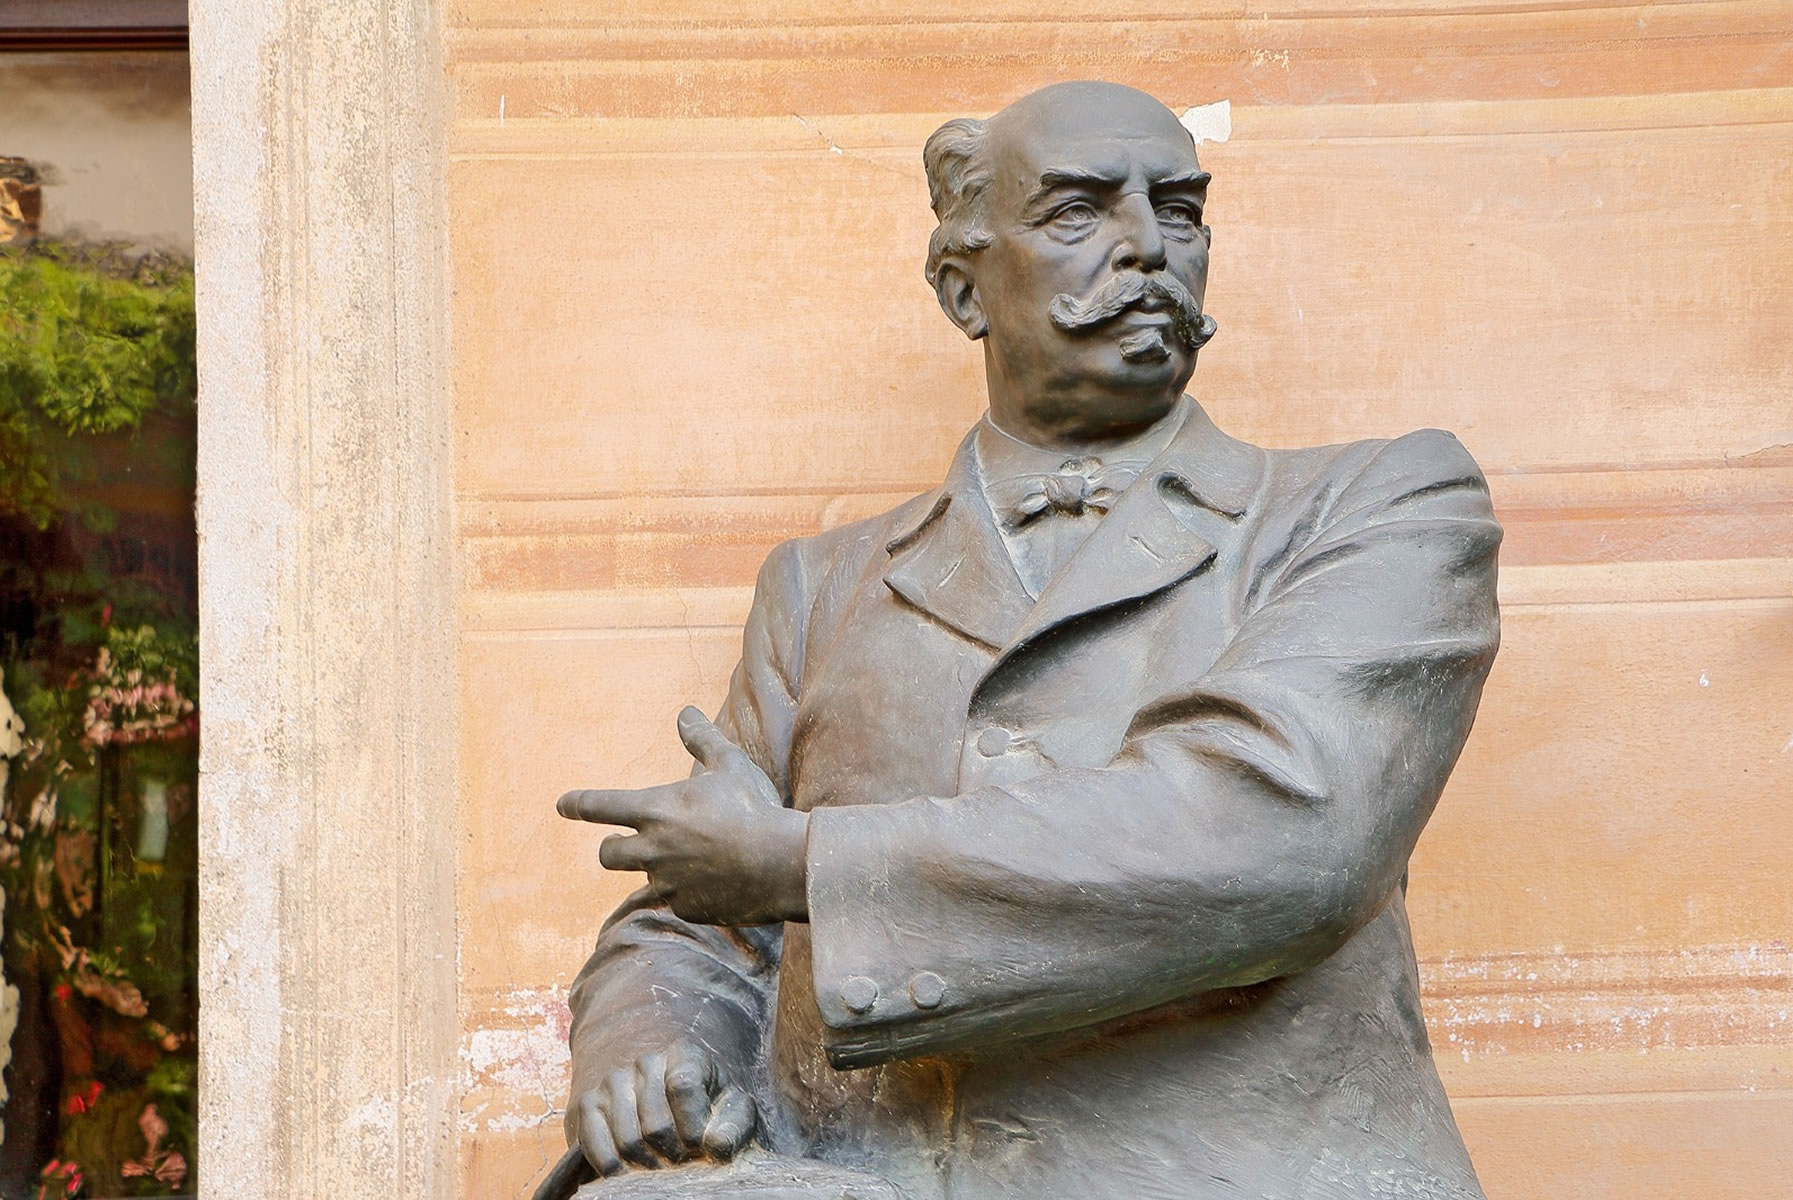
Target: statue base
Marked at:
753, 1176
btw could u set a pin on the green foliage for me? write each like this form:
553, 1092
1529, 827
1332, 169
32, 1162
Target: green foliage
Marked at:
152, 654
52, 710
173, 1079
97, 386
85, 351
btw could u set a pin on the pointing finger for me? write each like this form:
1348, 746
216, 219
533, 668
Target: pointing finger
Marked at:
623, 806
707, 743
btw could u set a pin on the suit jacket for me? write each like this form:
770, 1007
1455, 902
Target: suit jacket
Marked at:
1106, 890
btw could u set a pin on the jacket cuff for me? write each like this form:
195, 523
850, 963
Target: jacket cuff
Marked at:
879, 998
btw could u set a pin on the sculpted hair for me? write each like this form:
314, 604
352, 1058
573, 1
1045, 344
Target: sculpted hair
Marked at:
957, 159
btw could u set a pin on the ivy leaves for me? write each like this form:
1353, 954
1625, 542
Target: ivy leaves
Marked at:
85, 351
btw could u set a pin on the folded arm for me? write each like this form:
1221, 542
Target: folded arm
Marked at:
1249, 825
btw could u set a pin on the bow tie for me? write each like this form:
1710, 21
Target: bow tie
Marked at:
1081, 485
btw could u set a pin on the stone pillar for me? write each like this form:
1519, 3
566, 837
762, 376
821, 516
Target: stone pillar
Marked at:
327, 965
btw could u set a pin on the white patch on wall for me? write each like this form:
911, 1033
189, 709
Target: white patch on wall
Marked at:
516, 1064
1209, 122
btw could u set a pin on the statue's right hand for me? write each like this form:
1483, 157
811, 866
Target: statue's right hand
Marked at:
664, 1109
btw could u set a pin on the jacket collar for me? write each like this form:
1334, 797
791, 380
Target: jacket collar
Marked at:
952, 563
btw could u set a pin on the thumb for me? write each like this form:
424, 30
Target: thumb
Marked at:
731, 1123
706, 742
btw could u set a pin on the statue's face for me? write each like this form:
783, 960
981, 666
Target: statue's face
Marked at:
1094, 193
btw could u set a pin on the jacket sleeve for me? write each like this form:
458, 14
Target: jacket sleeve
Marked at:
655, 978
1249, 825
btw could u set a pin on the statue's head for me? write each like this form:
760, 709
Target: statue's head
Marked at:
1071, 241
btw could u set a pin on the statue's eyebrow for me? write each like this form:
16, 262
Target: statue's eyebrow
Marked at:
1053, 178
1197, 178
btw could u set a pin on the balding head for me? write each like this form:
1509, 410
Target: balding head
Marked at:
1072, 244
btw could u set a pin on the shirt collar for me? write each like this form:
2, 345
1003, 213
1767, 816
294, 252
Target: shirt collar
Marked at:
1001, 455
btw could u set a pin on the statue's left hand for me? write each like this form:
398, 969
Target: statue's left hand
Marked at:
720, 848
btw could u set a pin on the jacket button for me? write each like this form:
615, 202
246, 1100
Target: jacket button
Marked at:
927, 990
993, 741
859, 994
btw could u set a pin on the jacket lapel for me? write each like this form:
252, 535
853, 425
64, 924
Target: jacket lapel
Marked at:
1171, 523
1165, 528
953, 566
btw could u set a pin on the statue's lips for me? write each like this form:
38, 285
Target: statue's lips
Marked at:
1127, 322
1144, 315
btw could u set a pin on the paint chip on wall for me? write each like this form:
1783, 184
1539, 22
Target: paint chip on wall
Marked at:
1209, 122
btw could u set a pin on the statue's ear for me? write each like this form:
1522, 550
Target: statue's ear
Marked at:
956, 288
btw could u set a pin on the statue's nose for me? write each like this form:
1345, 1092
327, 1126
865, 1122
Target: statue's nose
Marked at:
1141, 243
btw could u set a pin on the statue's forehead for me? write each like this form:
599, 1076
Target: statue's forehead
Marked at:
1025, 154
1090, 125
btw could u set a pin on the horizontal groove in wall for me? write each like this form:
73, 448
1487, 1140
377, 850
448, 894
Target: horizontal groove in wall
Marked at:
1715, 1021
1745, 968
460, 20
1779, 1094
642, 611
1582, 537
901, 134
1333, 34
1762, 478
744, 70
1748, 969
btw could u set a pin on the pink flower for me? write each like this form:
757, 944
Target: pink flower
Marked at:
168, 1166
173, 1169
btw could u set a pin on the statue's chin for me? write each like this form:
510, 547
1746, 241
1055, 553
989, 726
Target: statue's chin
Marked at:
1149, 361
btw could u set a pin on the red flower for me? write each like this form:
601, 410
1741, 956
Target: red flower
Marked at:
84, 1100
57, 1171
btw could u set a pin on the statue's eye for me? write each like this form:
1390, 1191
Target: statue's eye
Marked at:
1179, 214
1077, 214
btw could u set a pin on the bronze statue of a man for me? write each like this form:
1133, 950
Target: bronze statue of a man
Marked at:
1052, 839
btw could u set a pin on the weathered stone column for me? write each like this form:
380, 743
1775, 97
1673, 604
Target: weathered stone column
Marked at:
327, 965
